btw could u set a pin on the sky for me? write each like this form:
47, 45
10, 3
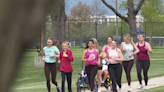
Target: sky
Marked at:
71, 3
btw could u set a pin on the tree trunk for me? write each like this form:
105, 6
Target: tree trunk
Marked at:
150, 37
41, 41
132, 19
58, 25
20, 24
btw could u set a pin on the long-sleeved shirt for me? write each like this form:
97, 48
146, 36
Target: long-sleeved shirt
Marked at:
66, 61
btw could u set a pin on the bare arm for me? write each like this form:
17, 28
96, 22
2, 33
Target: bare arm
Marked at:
98, 57
136, 50
83, 59
121, 47
82, 73
149, 47
107, 57
104, 47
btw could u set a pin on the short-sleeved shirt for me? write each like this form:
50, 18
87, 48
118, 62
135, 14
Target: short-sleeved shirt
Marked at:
50, 51
84, 70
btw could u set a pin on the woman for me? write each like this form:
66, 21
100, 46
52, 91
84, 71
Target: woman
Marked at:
143, 60
50, 54
106, 47
99, 72
66, 69
90, 56
115, 69
127, 48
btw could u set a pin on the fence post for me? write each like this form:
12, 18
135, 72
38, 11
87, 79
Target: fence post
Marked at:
145, 31
96, 28
121, 33
68, 31
80, 35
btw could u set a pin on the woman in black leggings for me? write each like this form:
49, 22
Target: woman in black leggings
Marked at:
115, 69
50, 54
92, 59
143, 61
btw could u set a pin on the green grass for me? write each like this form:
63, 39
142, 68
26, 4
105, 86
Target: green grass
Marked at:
157, 89
32, 79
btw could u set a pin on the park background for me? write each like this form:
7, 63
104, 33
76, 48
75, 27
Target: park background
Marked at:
32, 79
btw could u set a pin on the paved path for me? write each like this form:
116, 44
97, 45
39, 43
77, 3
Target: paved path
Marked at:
153, 82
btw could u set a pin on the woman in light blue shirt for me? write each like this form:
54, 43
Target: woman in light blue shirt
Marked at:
128, 49
51, 52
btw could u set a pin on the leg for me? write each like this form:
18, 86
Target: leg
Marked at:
125, 65
99, 76
82, 80
63, 81
47, 74
139, 68
129, 67
69, 81
146, 66
92, 76
88, 70
86, 80
105, 75
119, 75
113, 77
53, 74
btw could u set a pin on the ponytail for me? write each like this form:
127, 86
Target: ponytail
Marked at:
55, 42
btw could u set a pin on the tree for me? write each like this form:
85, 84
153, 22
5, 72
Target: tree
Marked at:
81, 12
58, 17
98, 9
21, 22
152, 11
130, 19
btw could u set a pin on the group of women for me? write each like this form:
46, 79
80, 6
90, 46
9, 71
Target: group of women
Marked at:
92, 56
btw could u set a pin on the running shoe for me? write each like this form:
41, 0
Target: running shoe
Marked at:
102, 82
146, 87
58, 89
129, 90
140, 87
86, 85
120, 89
99, 90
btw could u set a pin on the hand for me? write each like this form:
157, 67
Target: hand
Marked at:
130, 55
89, 59
146, 47
107, 60
59, 61
83, 75
65, 55
51, 55
112, 58
43, 59
123, 49
98, 63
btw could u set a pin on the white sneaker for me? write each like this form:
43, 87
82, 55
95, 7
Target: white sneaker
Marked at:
146, 87
99, 89
120, 89
140, 87
129, 90
81, 85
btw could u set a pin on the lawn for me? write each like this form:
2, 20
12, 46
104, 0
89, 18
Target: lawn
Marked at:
32, 79
157, 89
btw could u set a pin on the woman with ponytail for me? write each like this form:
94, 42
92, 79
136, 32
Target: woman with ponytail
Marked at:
128, 49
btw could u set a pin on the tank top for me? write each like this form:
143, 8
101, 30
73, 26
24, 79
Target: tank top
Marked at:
128, 50
113, 53
93, 56
142, 55
106, 49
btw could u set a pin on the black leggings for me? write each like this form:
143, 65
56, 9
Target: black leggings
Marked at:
69, 81
115, 72
50, 67
91, 72
142, 64
127, 67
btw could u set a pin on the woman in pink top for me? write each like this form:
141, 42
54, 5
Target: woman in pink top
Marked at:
92, 59
115, 69
106, 47
143, 61
66, 69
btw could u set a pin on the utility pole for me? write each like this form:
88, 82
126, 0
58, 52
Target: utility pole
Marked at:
116, 24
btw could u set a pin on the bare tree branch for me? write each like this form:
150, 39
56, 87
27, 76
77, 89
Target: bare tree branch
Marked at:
139, 7
118, 14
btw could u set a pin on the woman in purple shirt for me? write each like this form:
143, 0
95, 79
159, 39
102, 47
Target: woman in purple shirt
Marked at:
143, 60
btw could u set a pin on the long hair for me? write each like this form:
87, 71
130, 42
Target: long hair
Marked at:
127, 36
110, 37
55, 42
87, 44
97, 44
